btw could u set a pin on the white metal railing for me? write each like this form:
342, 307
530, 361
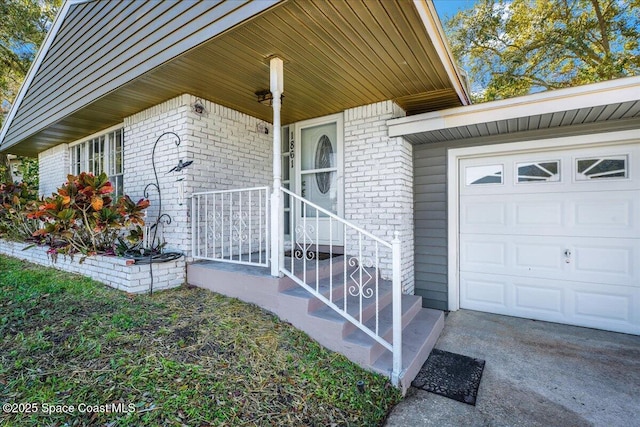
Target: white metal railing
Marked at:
231, 226
357, 287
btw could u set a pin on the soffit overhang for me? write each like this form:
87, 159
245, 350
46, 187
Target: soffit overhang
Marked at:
337, 54
608, 105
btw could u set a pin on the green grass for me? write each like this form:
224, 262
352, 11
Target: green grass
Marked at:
185, 357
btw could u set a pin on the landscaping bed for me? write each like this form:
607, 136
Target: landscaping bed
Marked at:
183, 357
118, 272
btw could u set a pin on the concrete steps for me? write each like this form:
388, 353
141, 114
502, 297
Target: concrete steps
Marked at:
293, 303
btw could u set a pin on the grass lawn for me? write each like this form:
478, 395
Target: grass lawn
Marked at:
185, 357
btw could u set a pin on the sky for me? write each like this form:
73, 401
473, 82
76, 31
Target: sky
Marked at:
447, 8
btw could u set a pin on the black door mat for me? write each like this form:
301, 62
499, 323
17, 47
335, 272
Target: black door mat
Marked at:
451, 375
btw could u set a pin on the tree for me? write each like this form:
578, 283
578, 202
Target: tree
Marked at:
23, 27
514, 47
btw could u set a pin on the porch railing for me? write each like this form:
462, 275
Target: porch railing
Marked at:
231, 226
358, 287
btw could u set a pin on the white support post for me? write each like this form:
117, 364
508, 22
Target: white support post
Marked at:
397, 309
277, 205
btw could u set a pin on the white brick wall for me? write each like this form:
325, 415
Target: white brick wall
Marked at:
141, 131
225, 146
116, 272
378, 179
228, 152
53, 168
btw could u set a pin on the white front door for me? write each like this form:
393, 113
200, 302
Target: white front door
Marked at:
553, 236
319, 179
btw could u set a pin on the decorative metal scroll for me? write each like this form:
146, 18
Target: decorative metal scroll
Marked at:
361, 277
304, 242
153, 251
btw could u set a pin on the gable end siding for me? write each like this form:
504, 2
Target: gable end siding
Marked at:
103, 45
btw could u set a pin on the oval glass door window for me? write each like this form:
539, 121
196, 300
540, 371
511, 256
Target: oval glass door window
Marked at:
324, 154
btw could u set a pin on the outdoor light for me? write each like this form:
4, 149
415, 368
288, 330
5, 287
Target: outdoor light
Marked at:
265, 97
262, 127
198, 107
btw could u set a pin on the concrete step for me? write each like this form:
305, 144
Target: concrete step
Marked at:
291, 302
368, 308
371, 349
418, 339
325, 267
332, 288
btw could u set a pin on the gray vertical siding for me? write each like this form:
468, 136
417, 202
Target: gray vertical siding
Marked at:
430, 213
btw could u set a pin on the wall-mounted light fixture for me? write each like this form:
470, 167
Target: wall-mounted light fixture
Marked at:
198, 107
265, 97
262, 127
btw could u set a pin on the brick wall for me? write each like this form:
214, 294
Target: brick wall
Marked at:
227, 152
378, 180
112, 271
53, 168
141, 131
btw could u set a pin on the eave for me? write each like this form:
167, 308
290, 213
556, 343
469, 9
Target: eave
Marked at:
586, 106
338, 55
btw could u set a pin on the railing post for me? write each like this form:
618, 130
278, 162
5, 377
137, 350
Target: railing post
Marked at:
397, 309
277, 219
193, 227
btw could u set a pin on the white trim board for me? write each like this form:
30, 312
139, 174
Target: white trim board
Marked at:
427, 11
594, 95
454, 155
95, 135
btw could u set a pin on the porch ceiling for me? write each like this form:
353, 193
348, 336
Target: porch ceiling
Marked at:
337, 55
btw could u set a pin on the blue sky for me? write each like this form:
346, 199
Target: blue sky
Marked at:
448, 8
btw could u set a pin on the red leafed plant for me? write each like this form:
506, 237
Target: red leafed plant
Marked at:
81, 217
15, 201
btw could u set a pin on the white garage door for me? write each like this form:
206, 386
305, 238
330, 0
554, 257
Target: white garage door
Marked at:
553, 236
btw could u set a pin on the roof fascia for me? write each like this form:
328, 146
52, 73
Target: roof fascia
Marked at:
594, 95
35, 66
431, 22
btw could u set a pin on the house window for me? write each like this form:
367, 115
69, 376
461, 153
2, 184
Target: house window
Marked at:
103, 153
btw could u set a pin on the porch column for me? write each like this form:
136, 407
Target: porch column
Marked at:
277, 205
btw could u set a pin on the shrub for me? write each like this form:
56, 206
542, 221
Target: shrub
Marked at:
81, 217
15, 201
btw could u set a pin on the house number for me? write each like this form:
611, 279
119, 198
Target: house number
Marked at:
292, 147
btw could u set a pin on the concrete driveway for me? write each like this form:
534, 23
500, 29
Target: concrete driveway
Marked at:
536, 374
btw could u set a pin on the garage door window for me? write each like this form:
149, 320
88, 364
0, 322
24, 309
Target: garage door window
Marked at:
548, 171
601, 168
479, 175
